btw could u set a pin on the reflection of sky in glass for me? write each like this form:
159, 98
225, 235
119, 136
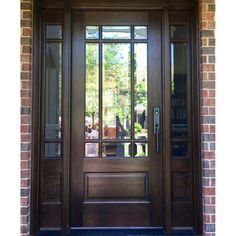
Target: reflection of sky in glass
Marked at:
116, 32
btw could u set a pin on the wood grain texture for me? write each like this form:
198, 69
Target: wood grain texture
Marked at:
116, 186
112, 215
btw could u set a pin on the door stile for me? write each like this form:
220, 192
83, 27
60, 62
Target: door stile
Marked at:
166, 128
155, 98
77, 120
66, 114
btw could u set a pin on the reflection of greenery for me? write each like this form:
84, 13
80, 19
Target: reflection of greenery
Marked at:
116, 82
137, 128
91, 80
140, 96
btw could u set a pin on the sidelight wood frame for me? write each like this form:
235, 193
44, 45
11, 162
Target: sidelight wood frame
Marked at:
67, 7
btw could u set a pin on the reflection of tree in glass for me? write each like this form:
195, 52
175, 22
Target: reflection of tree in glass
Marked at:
140, 85
116, 83
92, 81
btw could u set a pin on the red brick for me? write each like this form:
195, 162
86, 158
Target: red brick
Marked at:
211, 111
27, 32
24, 183
212, 129
25, 174
25, 75
27, 14
25, 93
208, 67
204, 93
212, 93
208, 102
25, 155
25, 128
204, 76
25, 119
24, 165
208, 191
24, 201
26, 58
206, 219
204, 111
26, 49
25, 138
205, 128
213, 218
26, 67
25, 85
25, 102
26, 6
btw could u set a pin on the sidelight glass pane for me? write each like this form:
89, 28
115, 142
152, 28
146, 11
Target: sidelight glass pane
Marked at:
92, 91
140, 32
92, 32
52, 150
53, 90
116, 149
116, 98
178, 32
179, 149
116, 32
53, 31
179, 112
91, 149
140, 91
141, 149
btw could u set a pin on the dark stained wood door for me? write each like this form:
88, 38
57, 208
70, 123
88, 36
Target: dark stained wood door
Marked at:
116, 169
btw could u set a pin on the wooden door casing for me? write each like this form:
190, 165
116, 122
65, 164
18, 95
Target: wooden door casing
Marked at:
175, 173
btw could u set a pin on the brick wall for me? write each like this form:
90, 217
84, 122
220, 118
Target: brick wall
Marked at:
26, 76
207, 85
207, 70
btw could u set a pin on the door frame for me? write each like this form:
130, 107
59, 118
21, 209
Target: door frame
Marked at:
37, 101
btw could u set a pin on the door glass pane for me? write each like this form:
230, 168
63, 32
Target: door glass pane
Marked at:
179, 149
179, 90
116, 32
116, 100
91, 149
53, 90
92, 32
53, 31
178, 32
141, 149
140, 90
92, 91
52, 150
116, 149
140, 32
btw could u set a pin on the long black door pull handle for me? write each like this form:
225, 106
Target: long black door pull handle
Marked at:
156, 126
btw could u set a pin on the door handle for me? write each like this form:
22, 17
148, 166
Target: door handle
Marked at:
156, 126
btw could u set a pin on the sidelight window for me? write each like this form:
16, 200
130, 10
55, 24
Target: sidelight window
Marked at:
179, 91
53, 92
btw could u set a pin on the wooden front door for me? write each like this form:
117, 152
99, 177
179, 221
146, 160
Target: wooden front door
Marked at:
116, 150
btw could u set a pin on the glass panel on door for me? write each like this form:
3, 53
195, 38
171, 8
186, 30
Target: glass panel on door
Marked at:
116, 91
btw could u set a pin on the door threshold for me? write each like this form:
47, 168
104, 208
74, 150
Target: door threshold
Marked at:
116, 231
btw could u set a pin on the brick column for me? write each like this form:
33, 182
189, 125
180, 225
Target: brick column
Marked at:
26, 78
207, 86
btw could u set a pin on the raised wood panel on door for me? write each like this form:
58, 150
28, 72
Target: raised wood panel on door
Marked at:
124, 186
